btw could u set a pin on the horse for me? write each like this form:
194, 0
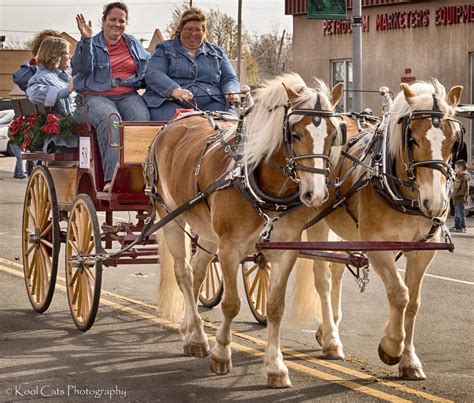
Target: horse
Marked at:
288, 138
422, 132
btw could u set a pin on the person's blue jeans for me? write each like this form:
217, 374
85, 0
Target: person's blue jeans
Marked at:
459, 216
19, 172
128, 107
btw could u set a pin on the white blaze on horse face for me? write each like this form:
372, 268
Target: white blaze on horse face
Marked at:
435, 196
315, 184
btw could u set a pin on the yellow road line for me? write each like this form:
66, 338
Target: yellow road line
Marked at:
260, 342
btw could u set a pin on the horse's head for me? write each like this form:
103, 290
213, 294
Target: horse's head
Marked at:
312, 130
423, 133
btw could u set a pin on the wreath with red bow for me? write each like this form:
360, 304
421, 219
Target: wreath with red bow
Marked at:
29, 132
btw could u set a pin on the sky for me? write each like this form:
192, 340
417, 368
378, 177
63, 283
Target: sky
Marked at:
21, 19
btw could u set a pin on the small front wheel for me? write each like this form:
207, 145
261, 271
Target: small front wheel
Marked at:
83, 268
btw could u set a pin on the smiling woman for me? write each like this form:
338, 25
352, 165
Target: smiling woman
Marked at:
186, 71
110, 68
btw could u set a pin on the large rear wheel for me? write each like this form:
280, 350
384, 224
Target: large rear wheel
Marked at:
84, 270
213, 286
40, 239
257, 284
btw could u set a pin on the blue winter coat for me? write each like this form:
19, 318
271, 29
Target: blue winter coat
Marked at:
171, 67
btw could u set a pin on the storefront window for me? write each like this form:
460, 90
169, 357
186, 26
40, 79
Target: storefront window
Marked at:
342, 72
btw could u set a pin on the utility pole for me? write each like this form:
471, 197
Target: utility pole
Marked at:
279, 51
190, 3
357, 55
239, 38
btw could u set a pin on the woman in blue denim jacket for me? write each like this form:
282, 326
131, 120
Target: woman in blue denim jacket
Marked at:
108, 70
187, 72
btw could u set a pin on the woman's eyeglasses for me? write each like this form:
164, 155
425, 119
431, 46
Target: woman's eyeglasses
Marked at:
193, 31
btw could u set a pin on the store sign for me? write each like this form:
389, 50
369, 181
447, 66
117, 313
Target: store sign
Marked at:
327, 10
343, 27
449, 15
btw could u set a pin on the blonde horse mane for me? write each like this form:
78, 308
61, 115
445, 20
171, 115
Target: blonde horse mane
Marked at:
423, 100
264, 125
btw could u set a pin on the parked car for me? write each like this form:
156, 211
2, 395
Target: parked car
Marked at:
6, 117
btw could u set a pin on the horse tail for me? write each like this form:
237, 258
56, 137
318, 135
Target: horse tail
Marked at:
306, 303
170, 300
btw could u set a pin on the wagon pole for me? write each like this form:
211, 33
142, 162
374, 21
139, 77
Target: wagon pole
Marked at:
357, 55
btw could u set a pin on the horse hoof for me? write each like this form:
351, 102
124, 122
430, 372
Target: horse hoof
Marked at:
220, 367
412, 374
387, 359
195, 350
319, 337
333, 352
278, 381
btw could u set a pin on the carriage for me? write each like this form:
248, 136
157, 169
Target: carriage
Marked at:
66, 188
62, 199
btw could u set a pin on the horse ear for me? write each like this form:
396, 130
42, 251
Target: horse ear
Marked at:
454, 96
336, 94
408, 92
292, 94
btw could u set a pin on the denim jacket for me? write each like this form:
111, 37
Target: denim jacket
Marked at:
91, 64
49, 88
171, 67
24, 73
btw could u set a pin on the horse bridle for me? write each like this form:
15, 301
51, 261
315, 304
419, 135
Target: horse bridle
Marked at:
436, 117
291, 159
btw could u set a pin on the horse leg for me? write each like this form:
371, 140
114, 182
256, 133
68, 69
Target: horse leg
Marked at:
417, 263
337, 272
391, 345
220, 359
195, 339
277, 372
327, 334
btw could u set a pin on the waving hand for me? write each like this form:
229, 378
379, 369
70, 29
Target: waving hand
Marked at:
85, 27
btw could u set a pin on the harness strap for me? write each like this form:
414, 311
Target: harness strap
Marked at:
361, 183
224, 181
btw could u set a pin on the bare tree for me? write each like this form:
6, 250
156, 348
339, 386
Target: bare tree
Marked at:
272, 53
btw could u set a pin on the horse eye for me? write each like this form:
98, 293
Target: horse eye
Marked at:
413, 142
296, 136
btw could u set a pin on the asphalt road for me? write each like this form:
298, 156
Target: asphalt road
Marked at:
131, 354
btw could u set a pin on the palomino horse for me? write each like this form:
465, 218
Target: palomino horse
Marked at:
422, 132
227, 221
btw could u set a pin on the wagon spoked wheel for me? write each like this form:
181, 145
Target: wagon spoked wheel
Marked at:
40, 238
257, 284
213, 286
83, 276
